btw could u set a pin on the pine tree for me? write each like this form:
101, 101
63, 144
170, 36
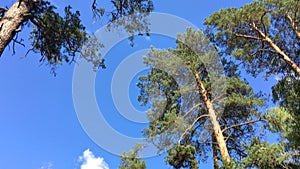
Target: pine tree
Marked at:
264, 37
196, 105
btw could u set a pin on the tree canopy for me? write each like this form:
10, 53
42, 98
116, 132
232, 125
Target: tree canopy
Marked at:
59, 38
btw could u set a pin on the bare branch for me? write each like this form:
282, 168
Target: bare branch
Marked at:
191, 126
197, 105
242, 124
16, 41
228, 136
247, 36
94, 5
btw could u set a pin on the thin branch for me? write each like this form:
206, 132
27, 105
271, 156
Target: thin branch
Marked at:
94, 5
190, 127
219, 97
197, 105
228, 136
28, 51
242, 124
16, 41
265, 30
247, 36
37, 23
262, 22
261, 50
295, 27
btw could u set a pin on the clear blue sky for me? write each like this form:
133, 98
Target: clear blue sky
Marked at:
39, 126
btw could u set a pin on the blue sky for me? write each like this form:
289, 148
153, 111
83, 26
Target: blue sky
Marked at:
39, 127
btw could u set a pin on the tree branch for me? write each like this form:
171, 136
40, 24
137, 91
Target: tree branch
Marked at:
285, 57
247, 36
37, 23
94, 5
191, 126
197, 105
219, 97
16, 41
294, 26
242, 124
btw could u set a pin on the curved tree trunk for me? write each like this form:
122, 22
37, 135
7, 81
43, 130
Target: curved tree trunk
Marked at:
12, 20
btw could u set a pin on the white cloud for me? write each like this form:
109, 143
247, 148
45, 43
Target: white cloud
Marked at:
89, 161
47, 166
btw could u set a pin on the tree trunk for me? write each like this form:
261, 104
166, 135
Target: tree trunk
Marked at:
213, 119
12, 20
215, 152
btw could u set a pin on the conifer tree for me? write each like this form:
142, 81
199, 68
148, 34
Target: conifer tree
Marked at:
196, 105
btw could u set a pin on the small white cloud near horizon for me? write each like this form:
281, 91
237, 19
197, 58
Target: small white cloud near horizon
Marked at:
48, 165
89, 161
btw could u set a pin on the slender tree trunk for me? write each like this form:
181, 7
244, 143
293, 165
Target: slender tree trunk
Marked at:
215, 152
213, 119
12, 20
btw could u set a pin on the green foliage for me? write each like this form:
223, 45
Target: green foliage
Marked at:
241, 106
60, 38
287, 93
242, 33
182, 156
280, 120
288, 98
233, 30
131, 159
130, 7
176, 101
287, 124
131, 16
263, 155
57, 38
91, 52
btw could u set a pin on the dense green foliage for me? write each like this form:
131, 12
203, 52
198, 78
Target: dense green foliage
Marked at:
57, 38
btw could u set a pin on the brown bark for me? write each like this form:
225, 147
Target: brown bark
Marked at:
9, 24
215, 152
285, 57
213, 119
